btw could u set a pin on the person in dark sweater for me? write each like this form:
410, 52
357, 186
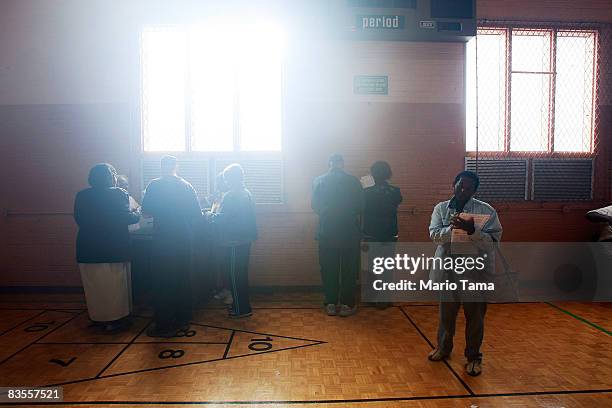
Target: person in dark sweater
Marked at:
380, 207
337, 198
380, 215
103, 247
236, 228
174, 206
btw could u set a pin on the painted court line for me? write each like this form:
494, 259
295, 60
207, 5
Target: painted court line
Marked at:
582, 319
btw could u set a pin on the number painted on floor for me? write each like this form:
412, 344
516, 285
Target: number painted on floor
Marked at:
62, 362
183, 333
169, 353
260, 344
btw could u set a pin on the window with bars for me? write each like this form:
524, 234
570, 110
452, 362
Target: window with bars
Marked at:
214, 88
531, 90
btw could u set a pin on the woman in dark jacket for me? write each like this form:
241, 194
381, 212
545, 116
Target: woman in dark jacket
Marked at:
103, 214
380, 218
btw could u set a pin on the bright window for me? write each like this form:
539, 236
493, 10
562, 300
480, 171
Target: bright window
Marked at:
530, 90
212, 88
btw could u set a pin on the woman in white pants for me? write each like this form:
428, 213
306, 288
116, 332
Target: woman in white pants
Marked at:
103, 214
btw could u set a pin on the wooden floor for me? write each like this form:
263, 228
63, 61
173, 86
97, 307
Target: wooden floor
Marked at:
290, 354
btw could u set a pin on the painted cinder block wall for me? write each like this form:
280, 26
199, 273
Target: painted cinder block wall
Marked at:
68, 71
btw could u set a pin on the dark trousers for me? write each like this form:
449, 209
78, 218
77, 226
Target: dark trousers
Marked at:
379, 249
238, 267
474, 328
220, 268
171, 286
339, 268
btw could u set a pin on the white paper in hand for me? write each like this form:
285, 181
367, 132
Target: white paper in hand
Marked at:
367, 181
461, 236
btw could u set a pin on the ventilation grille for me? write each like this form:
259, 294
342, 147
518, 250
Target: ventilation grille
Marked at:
263, 178
562, 179
500, 179
194, 171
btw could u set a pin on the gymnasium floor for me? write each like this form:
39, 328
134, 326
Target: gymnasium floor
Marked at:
291, 354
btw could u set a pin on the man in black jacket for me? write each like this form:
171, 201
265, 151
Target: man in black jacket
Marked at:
174, 205
337, 199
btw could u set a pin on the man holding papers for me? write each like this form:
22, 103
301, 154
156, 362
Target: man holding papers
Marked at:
462, 219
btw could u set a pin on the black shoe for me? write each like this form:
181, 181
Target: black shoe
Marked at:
93, 323
113, 327
183, 327
474, 368
165, 333
382, 305
233, 315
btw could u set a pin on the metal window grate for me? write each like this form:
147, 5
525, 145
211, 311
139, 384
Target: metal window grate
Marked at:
562, 179
533, 88
500, 179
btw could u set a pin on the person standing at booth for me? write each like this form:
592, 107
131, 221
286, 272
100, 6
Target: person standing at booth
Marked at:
173, 204
380, 214
337, 198
235, 224
103, 214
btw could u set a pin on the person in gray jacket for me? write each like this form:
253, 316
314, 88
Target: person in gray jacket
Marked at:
236, 227
444, 219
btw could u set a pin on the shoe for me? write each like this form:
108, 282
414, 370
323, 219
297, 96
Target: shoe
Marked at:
163, 333
330, 309
437, 355
221, 294
93, 323
184, 327
233, 315
474, 368
113, 327
346, 310
382, 305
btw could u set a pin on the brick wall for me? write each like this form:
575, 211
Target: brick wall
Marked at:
70, 103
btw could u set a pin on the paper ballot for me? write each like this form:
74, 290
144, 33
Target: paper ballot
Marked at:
367, 181
460, 237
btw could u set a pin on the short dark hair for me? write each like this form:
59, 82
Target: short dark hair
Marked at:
168, 162
381, 171
468, 174
233, 175
336, 158
102, 175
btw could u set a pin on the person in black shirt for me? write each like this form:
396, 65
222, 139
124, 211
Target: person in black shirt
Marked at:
174, 206
380, 209
236, 229
380, 214
337, 199
103, 247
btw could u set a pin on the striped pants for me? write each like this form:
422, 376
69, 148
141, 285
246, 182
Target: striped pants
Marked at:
238, 271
